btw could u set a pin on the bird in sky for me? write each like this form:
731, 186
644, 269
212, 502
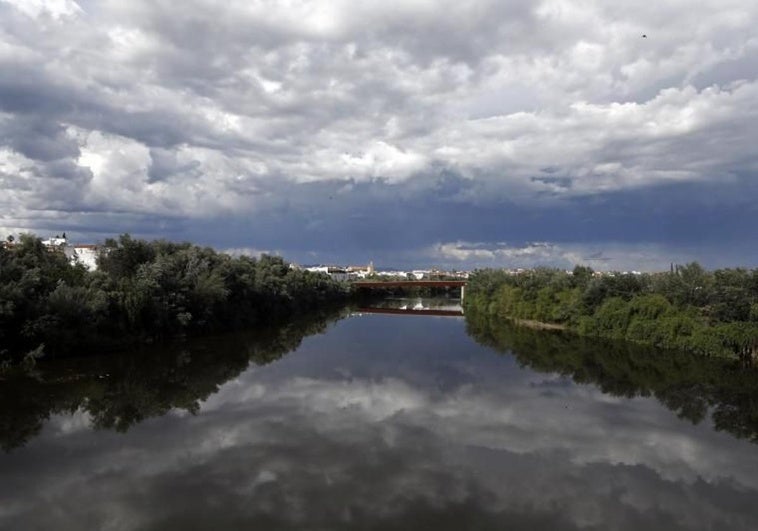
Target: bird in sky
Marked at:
644, 36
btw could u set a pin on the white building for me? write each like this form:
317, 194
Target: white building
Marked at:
82, 254
55, 242
87, 256
336, 273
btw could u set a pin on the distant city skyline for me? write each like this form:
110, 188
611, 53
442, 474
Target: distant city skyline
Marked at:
510, 133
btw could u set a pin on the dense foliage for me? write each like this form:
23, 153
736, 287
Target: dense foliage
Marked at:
713, 313
141, 292
694, 387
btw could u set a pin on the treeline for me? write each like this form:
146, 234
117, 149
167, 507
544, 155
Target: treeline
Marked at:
712, 313
695, 388
142, 291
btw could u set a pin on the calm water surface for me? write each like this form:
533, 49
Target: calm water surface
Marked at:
380, 422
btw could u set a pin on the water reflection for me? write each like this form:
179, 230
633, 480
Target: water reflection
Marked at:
692, 386
388, 423
119, 390
417, 306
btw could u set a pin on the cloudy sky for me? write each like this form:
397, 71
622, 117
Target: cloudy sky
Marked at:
410, 133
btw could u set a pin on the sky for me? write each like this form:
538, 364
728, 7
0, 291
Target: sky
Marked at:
414, 133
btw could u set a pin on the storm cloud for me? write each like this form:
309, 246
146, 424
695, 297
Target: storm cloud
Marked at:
341, 131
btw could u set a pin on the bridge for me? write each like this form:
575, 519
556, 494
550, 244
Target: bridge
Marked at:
374, 284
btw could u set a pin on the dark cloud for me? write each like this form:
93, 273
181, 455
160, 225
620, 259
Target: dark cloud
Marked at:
33, 95
741, 68
398, 125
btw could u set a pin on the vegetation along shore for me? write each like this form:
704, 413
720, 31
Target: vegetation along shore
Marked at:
714, 313
142, 292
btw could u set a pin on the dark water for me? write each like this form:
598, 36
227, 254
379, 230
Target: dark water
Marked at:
382, 422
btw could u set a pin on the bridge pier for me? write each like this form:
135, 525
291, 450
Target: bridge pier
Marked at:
463, 293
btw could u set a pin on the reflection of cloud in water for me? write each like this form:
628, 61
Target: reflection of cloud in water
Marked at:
333, 439
421, 303
588, 425
67, 424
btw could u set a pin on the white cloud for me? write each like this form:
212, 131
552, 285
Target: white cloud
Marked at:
601, 256
54, 8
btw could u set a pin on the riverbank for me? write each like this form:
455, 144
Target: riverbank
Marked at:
708, 313
143, 292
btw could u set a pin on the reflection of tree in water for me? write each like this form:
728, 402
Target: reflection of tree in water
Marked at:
120, 390
691, 386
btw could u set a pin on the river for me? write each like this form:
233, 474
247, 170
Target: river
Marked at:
371, 421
